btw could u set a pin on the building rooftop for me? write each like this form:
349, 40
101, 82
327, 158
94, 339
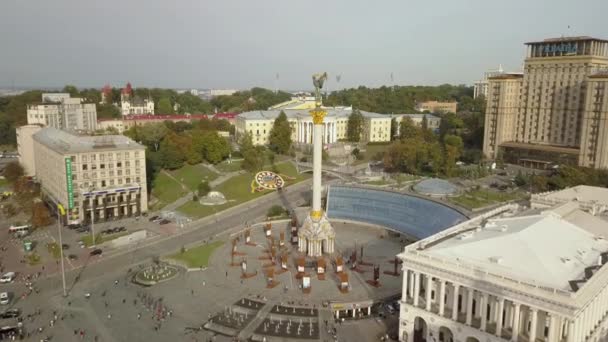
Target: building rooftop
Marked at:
517, 247
151, 117
416, 115
567, 39
580, 193
64, 142
304, 113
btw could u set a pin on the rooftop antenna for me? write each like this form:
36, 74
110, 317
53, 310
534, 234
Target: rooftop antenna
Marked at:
276, 83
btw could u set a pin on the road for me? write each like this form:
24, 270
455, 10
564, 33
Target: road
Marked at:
118, 261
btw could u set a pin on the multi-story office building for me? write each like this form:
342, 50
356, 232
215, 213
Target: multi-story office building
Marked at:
480, 88
495, 277
61, 111
556, 111
376, 127
91, 176
437, 107
25, 142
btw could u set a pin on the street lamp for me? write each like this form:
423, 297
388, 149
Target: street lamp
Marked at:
60, 213
92, 196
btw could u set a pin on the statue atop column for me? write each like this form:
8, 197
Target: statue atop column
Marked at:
317, 235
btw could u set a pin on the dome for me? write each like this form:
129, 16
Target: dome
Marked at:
436, 187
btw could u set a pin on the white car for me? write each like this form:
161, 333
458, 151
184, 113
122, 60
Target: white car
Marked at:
4, 298
7, 277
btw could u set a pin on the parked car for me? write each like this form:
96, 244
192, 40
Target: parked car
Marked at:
65, 246
389, 308
4, 298
72, 257
153, 218
165, 221
10, 313
122, 229
96, 251
8, 277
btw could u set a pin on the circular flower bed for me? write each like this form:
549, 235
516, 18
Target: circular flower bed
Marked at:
269, 180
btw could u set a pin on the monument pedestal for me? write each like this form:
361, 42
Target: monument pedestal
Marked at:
316, 236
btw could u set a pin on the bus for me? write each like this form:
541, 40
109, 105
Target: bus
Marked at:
20, 230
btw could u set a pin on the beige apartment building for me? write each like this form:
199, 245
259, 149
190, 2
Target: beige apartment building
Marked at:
556, 111
437, 107
61, 111
99, 176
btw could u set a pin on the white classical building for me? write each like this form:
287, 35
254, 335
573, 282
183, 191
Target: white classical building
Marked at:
376, 127
511, 275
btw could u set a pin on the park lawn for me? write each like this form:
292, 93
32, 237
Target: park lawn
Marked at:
101, 238
3, 182
481, 198
198, 256
192, 175
238, 190
370, 151
232, 167
166, 190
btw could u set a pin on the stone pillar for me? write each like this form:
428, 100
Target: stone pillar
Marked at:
501, 307
469, 309
416, 288
455, 302
516, 318
411, 284
316, 169
429, 289
571, 332
553, 328
484, 311
533, 323
354, 313
369, 310
441, 297
404, 285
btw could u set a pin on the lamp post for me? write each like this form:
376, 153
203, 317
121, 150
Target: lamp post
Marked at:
91, 201
60, 210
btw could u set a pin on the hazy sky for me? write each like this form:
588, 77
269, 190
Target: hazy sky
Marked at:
239, 44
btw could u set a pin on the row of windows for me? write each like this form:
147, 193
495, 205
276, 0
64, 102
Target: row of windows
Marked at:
102, 166
110, 182
103, 156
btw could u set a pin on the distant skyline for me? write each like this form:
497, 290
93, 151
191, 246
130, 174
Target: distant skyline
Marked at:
240, 44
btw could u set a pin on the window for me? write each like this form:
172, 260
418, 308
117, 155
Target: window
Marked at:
111, 181
73, 177
94, 167
103, 183
119, 172
137, 179
127, 163
128, 180
84, 158
102, 166
73, 158
118, 164
84, 167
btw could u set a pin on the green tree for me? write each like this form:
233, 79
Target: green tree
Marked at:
453, 149
215, 148
354, 128
203, 188
394, 128
279, 139
152, 134
13, 171
107, 111
425, 123
408, 129
7, 130
253, 156
172, 155
164, 106
72, 90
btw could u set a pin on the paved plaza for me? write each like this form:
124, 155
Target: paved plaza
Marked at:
109, 307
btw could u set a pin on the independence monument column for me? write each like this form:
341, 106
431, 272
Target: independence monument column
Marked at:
317, 235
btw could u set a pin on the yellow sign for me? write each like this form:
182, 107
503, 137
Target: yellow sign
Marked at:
61, 209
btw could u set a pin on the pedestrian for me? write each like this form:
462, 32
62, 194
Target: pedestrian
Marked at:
124, 300
226, 274
192, 291
109, 316
138, 315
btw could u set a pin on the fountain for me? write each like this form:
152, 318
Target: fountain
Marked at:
156, 272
